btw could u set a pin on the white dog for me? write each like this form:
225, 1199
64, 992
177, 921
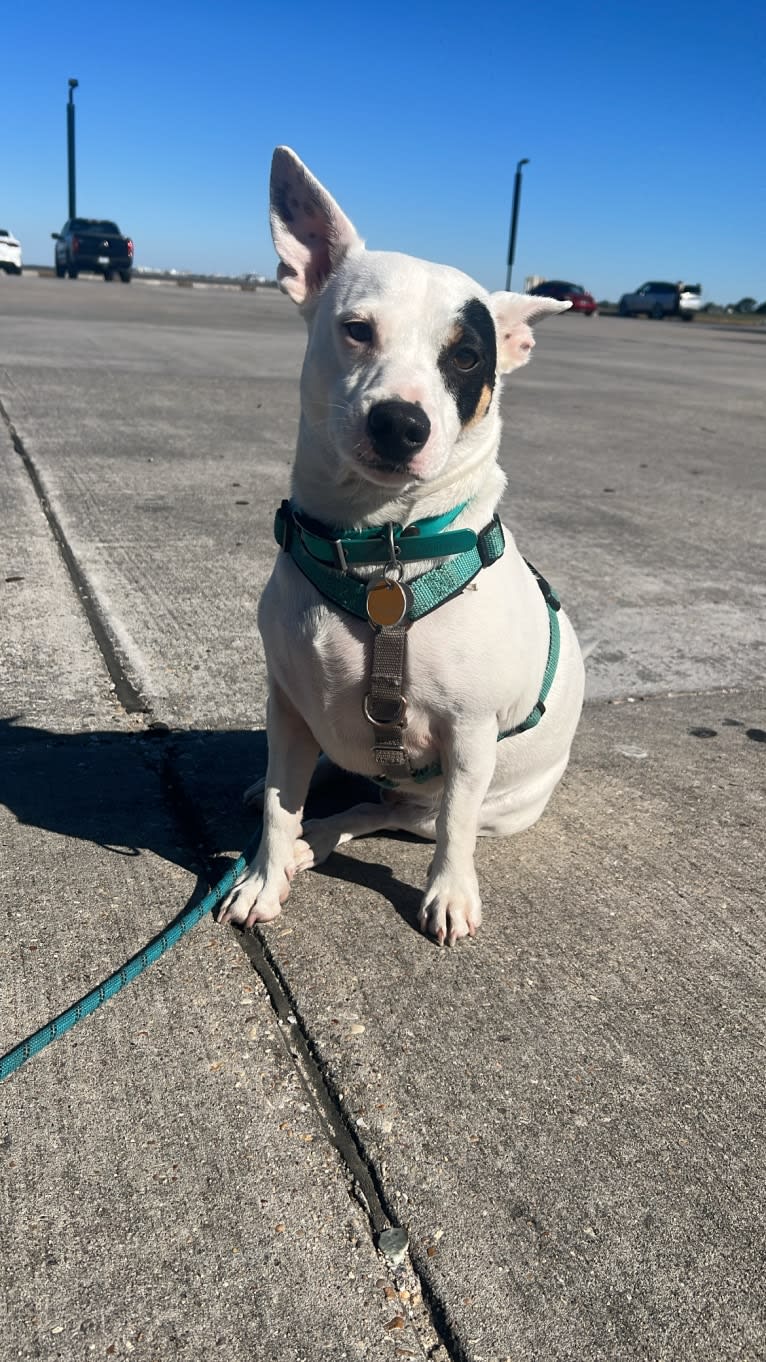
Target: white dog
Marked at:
406, 638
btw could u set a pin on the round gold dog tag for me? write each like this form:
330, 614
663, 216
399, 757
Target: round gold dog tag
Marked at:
387, 603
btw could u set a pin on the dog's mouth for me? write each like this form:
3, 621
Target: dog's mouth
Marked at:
386, 474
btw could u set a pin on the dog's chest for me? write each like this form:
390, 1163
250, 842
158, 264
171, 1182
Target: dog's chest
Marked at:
325, 670
467, 659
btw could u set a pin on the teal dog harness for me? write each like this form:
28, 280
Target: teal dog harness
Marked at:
325, 556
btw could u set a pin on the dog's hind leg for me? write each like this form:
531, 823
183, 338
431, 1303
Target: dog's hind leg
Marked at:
322, 836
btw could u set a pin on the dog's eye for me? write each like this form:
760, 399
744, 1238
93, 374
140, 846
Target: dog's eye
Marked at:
361, 332
465, 358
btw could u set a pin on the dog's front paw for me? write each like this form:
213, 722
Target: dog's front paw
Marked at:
451, 908
255, 897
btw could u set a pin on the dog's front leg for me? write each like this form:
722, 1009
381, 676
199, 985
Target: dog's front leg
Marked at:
260, 892
451, 905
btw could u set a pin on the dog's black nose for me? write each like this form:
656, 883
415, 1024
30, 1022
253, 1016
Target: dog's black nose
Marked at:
397, 430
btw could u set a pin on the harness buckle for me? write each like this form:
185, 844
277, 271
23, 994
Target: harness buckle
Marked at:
549, 595
483, 538
390, 756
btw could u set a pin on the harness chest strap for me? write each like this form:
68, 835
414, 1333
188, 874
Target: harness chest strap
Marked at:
384, 705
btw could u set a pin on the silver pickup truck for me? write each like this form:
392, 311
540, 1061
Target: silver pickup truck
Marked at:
660, 300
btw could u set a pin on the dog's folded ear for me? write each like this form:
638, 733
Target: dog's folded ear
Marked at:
311, 233
513, 313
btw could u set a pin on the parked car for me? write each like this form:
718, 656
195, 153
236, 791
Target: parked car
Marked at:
95, 245
659, 300
10, 252
581, 300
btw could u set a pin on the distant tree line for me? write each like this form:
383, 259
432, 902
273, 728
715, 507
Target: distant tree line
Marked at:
745, 305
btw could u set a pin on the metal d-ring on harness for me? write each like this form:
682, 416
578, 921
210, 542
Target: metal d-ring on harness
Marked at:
325, 555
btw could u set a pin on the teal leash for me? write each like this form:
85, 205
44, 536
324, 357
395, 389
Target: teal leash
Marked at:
131, 970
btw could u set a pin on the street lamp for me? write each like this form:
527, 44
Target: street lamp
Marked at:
70, 147
514, 220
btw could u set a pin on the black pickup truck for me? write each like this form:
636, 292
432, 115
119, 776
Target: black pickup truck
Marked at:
95, 245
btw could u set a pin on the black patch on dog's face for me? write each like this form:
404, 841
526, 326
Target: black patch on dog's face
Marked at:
468, 362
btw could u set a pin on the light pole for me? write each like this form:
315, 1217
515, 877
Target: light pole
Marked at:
514, 220
70, 148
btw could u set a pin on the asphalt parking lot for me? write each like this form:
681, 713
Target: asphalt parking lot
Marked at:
565, 1116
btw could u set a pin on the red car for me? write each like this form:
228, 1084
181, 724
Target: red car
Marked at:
581, 300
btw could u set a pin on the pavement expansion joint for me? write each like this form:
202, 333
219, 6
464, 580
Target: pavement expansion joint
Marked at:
294, 1033
363, 1179
126, 693
308, 1064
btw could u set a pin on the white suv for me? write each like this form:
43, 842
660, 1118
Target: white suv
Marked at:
10, 252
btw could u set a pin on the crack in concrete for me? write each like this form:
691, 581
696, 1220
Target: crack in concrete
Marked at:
303, 1053
293, 1030
129, 697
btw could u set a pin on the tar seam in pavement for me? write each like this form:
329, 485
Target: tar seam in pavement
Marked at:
130, 698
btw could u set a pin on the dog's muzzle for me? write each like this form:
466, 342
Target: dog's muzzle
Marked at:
397, 431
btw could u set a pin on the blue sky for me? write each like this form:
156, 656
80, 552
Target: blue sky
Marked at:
645, 125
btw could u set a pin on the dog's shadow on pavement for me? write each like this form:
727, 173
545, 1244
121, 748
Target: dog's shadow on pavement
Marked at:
404, 898
128, 792
174, 793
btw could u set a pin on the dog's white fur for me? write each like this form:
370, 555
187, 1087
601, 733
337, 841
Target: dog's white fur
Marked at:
475, 665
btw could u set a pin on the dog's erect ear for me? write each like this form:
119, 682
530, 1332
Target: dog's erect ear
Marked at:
311, 233
513, 313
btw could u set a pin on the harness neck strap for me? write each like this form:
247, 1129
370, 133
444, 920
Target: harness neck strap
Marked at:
340, 548
429, 590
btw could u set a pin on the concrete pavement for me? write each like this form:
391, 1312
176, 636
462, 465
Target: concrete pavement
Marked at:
565, 1114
